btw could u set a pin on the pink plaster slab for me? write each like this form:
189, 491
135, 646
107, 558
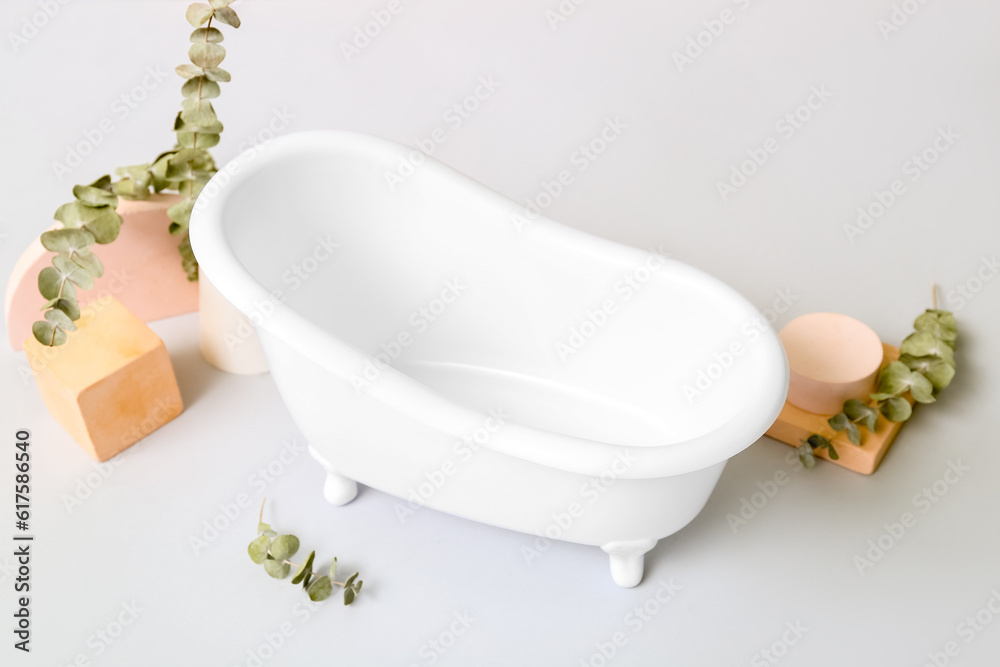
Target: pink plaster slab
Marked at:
142, 269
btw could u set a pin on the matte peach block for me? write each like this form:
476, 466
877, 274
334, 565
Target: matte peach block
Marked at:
111, 384
831, 358
795, 425
142, 269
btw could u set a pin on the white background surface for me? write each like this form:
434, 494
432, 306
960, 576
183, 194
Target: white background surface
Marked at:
129, 540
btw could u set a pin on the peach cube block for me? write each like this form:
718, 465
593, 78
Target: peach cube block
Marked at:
111, 384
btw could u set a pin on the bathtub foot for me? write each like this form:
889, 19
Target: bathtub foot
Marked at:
627, 560
339, 490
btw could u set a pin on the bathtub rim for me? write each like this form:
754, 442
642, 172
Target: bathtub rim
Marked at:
422, 403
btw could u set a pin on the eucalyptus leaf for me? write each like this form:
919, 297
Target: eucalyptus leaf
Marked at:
333, 568
348, 596
832, 453
200, 87
861, 413
921, 389
92, 196
284, 546
277, 568
935, 369
217, 4
228, 16
67, 240
213, 35
853, 433
838, 422
77, 214
65, 304
816, 441
197, 139
105, 226
217, 74
52, 284
305, 569
187, 70
265, 529
258, 549
894, 378
60, 319
924, 344
207, 54
939, 323
198, 13
350, 580
320, 589
102, 183
76, 273
89, 261
188, 261
181, 212
47, 333
896, 409
198, 112
881, 396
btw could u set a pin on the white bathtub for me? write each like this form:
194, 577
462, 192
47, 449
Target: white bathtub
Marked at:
619, 382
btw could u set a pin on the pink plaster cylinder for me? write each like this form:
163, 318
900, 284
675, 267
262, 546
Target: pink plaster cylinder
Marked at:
832, 358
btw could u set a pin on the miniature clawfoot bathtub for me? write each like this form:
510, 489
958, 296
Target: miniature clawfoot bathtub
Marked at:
435, 341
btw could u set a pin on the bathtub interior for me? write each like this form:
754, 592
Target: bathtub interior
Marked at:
436, 277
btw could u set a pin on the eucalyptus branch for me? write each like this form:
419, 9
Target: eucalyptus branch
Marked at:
273, 551
91, 218
926, 366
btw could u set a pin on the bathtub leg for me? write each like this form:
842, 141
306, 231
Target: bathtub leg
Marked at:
338, 489
627, 560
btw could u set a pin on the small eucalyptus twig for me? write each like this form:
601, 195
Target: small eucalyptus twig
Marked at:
273, 551
926, 366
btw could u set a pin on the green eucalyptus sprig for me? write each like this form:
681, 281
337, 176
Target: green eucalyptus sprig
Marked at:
926, 366
91, 218
273, 552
